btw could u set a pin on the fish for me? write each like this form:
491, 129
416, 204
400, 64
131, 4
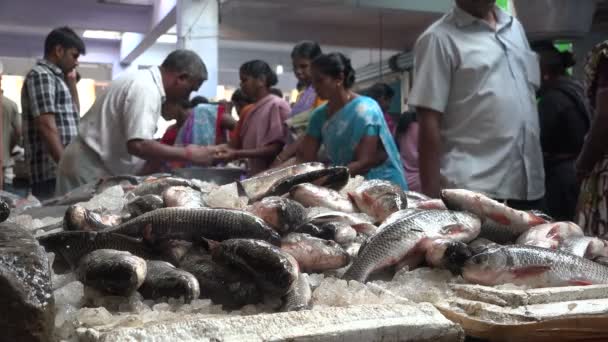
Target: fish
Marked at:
361, 222
340, 232
79, 218
413, 197
550, 235
310, 195
282, 214
314, 255
194, 224
481, 244
82, 193
403, 235
353, 249
257, 187
332, 177
113, 272
26, 292
143, 204
379, 199
448, 254
222, 284
274, 270
299, 297
127, 182
164, 280
157, 186
183, 197
499, 222
436, 204
585, 246
5, 210
71, 246
533, 267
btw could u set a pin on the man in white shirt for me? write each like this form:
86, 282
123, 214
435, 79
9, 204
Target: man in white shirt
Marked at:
474, 90
116, 135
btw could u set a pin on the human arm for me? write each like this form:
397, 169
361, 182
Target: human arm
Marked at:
154, 151
227, 153
46, 126
71, 79
308, 149
287, 153
368, 155
429, 149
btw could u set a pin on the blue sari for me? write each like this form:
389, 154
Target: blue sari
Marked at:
342, 132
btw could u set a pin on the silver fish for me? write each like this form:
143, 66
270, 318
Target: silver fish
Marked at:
334, 177
157, 186
379, 199
183, 197
164, 280
314, 255
532, 266
436, 204
79, 218
481, 244
257, 187
361, 222
585, 246
299, 297
310, 195
113, 272
499, 222
282, 214
550, 235
403, 235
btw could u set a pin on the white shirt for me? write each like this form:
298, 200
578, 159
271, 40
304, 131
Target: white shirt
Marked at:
129, 110
483, 81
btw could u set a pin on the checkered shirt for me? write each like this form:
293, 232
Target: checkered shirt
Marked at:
45, 91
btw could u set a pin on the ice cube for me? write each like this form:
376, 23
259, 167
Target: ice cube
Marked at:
90, 317
110, 200
61, 280
71, 294
226, 196
161, 307
421, 284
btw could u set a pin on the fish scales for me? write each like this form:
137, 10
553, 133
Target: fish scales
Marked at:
403, 231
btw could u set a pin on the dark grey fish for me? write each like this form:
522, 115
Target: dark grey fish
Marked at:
322, 231
26, 294
273, 270
158, 185
314, 254
299, 297
196, 224
70, 247
257, 187
80, 218
338, 231
143, 204
447, 254
5, 210
481, 244
110, 271
164, 280
220, 283
280, 213
333, 177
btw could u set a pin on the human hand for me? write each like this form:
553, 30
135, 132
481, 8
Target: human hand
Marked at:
200, 155
72, 76
226, 153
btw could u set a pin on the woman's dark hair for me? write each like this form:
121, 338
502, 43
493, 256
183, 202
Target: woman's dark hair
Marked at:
306, 49
240, 98
381, 90
258, 69
404, 122
555, 61
65, 37
277, 92
334, 64
198, 100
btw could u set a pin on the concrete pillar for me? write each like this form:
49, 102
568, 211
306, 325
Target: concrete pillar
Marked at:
198, 30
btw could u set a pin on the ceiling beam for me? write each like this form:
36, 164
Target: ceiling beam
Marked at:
432, 6
134, 45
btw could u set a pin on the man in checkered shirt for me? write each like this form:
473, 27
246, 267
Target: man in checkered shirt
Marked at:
50, 108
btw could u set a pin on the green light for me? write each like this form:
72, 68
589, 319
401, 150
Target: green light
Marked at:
504, 4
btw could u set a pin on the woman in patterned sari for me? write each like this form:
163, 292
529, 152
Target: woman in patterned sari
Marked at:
592, 164
351, 127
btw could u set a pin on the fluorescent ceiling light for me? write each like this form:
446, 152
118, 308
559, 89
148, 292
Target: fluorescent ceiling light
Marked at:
167, 39
280, 69
100, 34
129, 2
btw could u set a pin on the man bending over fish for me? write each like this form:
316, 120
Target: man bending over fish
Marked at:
474, 92
116, 136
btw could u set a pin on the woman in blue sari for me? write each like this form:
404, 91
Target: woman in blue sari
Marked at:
351, 127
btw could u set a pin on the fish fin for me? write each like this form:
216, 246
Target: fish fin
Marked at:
209, 244
535, 220
500, 219
240, 189
580, 282
367, 199
453, 229
530, 271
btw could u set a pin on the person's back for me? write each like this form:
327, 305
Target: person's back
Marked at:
474, 84
406, 135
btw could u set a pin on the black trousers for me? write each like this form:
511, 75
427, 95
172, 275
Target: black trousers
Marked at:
44, 190
562, 189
